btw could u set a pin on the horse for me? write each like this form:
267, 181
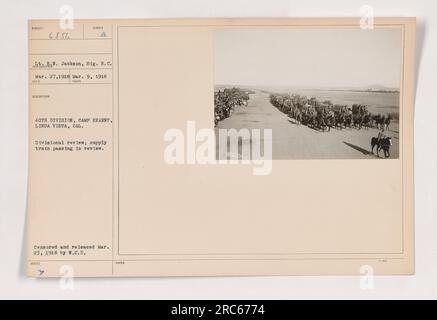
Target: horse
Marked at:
383, 144
320, 121
339, 120
348, 120
366, 122
357, 121
330, 120
382, 122
379, 121
387, 123
298, 116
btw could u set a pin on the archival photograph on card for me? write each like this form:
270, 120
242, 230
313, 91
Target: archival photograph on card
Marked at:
322, 93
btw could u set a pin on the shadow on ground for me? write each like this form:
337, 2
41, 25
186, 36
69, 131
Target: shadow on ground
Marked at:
363, 151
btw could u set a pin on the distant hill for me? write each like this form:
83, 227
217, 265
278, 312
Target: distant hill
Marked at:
371, 88
379, 88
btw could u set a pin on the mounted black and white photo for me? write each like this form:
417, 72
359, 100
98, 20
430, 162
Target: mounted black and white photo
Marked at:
331, 93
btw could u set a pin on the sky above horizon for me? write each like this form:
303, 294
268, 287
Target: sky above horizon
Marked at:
321, 58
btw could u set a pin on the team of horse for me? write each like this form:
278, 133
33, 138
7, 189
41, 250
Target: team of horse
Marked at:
324, 115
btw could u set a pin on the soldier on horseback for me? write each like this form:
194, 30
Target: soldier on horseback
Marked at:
381, 142
381, 134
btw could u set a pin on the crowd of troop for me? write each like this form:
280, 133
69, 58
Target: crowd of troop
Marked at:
324, 115
226, 100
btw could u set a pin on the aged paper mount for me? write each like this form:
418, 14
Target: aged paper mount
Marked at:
134, 169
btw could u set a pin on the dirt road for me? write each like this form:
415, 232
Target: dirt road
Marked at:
292, 141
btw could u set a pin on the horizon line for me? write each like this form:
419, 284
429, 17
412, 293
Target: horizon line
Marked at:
376, 86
